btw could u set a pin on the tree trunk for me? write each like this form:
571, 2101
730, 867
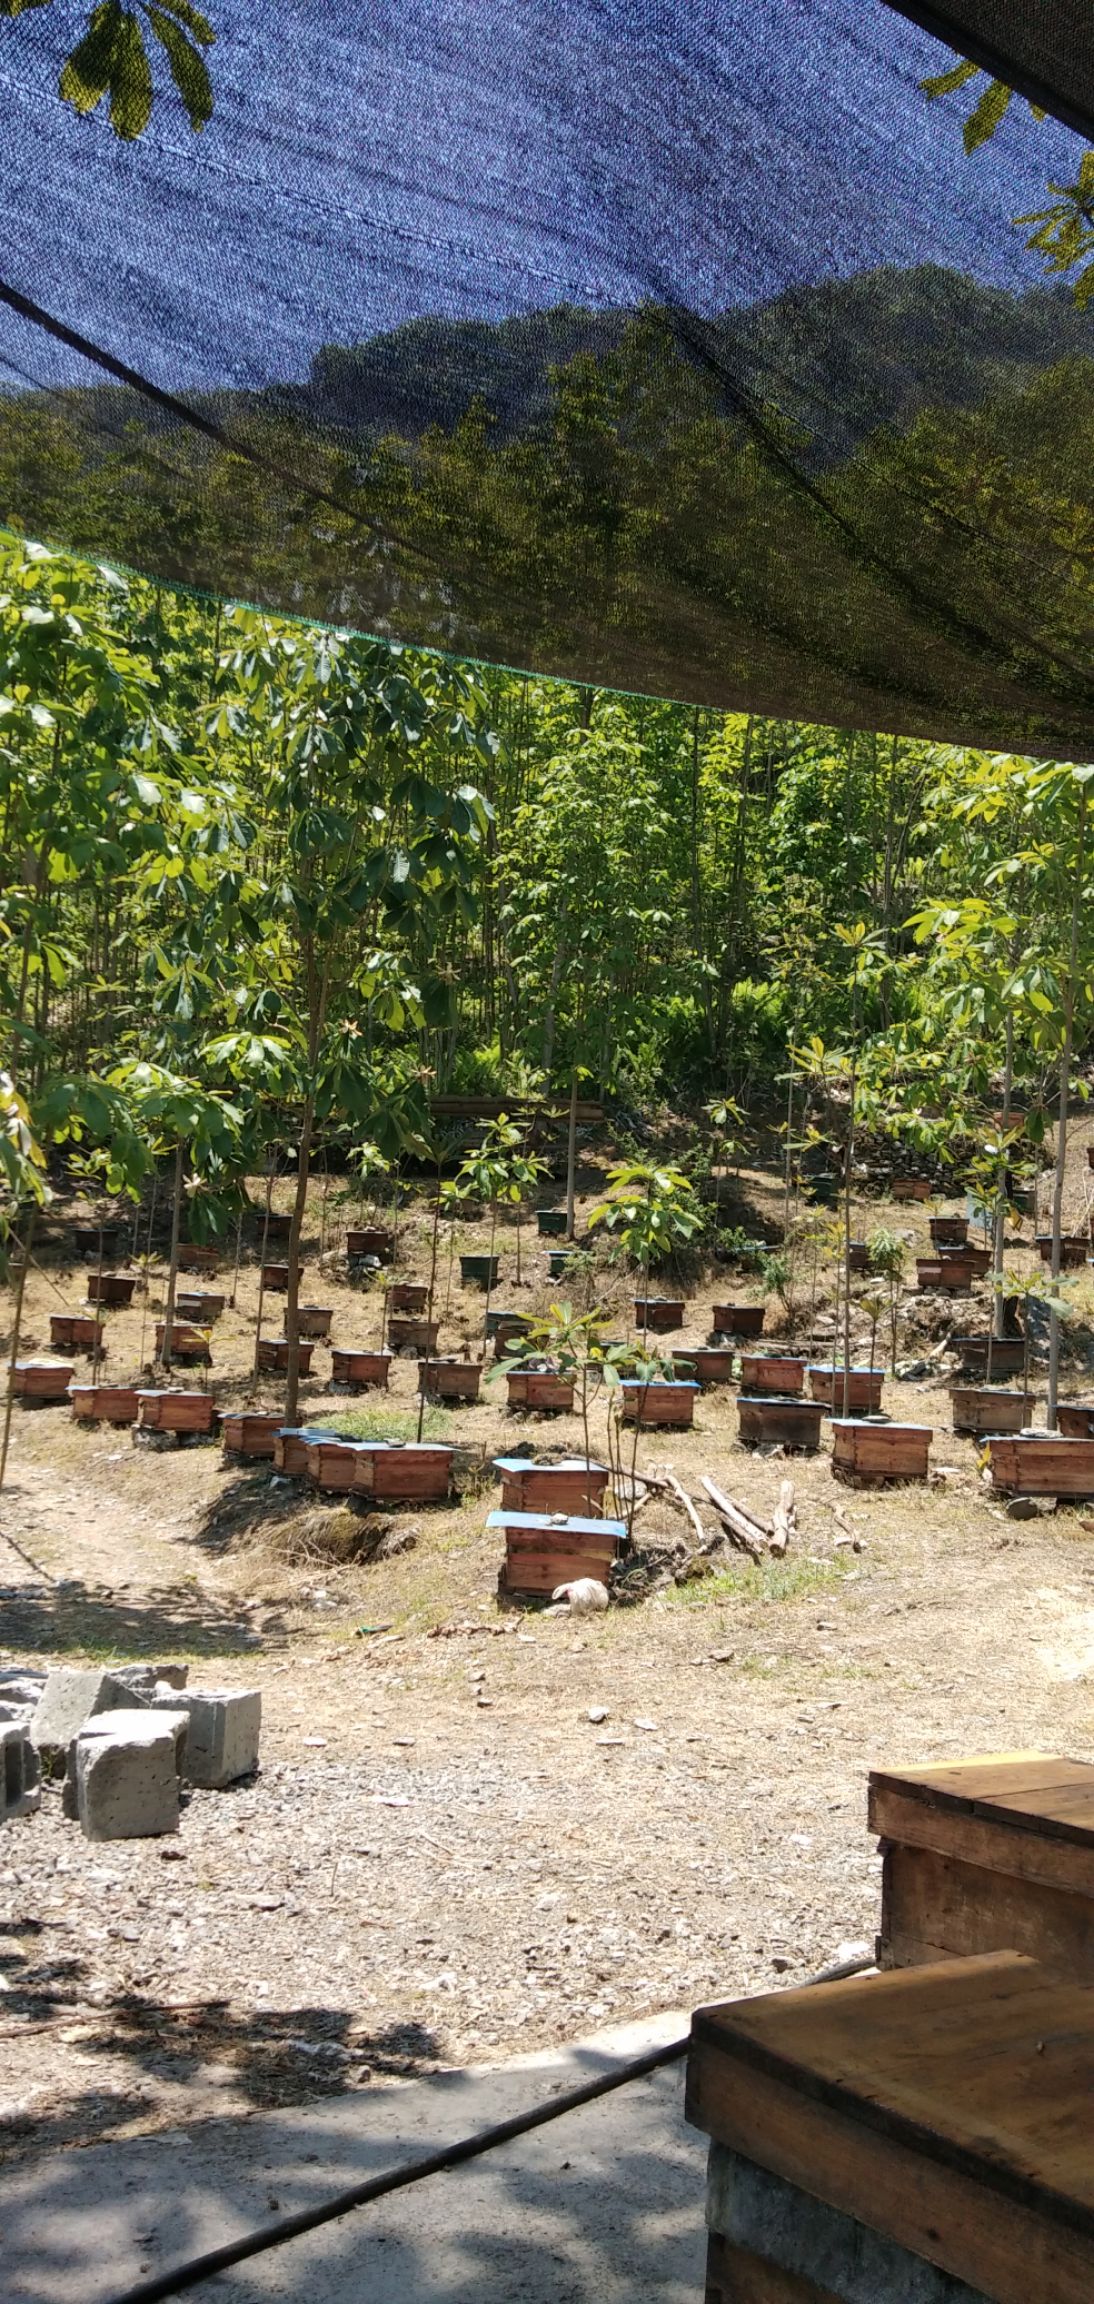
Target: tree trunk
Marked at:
173, 1261
1061, 1128
571, 1159
17, 1322
292, 1299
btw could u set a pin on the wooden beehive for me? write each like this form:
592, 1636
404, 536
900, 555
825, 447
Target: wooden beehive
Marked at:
408, 1296
658, 1315
449, 1379
332, 1462
569, 1486
1042, 1464
551, 1223
771, 1372
398, 1472
252, 1432
104, 1403
201, 1304
1006, 1354
192, 1257
911, 1187
978, 1260
870, 1453
558, 1260
371, 1240
1074, 1249
858, 1256
314, 1319
657, 1403
405, 1334
945, 2110
275, 1279
953, 1274
480, 1271
863, 1389
546, 1549
766, 1421
181, 1412
187, 1343
737, 1320
76, 1331
41, 1383
541, 1391
507, 1328
272, 1356
949, 1231
87, 1240
291, 1444
359, 1369
276, 1227
706, 1364
985, 1855
984, 1408
114, 1288
1076, 1419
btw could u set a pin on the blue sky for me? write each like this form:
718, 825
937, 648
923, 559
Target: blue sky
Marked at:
367, 164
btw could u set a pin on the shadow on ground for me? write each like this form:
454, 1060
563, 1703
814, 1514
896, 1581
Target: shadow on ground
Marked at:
71, 1617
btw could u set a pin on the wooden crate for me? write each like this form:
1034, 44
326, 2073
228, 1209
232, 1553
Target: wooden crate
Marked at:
104, 1403
765, 1421
1007, 1353
410, 1472
314, 1319
872, 1453
203, 1305
251, 1433
771, 1372
507, 1328
949, 1231
985, 1408
113, 1288
332, 1462
276, 1227
359, 1369
1041, 1464
408, 1296
978, 1260
272, 1356
544, 1549
291, 1444
1076, 1419
986, 1855
863, 1389
193, 1257
540, 1390
1074, 1249
551, 1223
405, 1334
911, 1188
737, 1320
275, 1279
480, 1271
570, 1486
373, 1240
946, 2109
41, 1383
953, 1274
187, 1343
449, 1379
88, 1241
858, 1256
706, 1365
181, 1412
658, 1315
75, 1331
658, 1403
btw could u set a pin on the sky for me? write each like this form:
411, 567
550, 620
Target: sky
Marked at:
371, 163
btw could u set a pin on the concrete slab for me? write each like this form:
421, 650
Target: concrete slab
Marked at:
602, 2207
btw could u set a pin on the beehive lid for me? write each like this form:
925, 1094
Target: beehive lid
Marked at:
880, 1424
656, 1384
1025, 1791
560, 1464
552, 1523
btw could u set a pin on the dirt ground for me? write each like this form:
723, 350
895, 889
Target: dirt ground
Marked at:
476, 1831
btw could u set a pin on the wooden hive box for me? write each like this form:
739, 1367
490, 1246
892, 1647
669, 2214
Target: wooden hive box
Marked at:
104, 1403
115, 1288
659, 1315
480, 1271
314, 1319
911, 1188
987, 1855
1007, 1354
1041, 1464
984, 1408
706, 1365
765, 1421
398, 1472
359, 1369
737, 1320
542, 1391
977, 1259
657, 1403
275, 1279
291, 1444
187, 1342
404, 1334
863, 1389
272, 1356
88, 1241
507, 1328
771, 1372
193, 1257
76, 1331
865, 2132
875, 1452
1076, 1419
276, 1227
200, 1304
332, 1462
858, 1256
253, 1432
371, 1240
558, 1259
949, 1231
408, 1296
551, 1223
41, 1382
953, 1274
181, 1412
449, 1379
545, 1549
570, 1486
1074, 1249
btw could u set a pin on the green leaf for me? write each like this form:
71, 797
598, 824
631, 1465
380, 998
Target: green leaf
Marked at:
88, 72
196, 24
982, 123
187, 66
944, 83
130, 83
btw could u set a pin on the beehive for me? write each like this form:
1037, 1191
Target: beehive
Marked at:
658, 1315
115, 1288
544, 1549
771, 1372
569, 1486
272, 1356
251, 1433
541, 1391
658, 1402
737, 1320
187, 1342
449, 1379
371, 1240
359, 1369
75, 1331
398, 1472
863, 1388
104, 1403
766, 1421
180, 1412
1042, 1464
41, 1382
873, 1453
706, 1365
984, 1408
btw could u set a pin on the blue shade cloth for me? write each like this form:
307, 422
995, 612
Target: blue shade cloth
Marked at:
674, 349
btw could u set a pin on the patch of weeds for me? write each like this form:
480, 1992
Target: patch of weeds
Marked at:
762, 1580
386, 1423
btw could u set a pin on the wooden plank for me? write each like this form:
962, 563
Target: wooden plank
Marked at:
937, 1907
737, 2276
979, 1778
976, 1837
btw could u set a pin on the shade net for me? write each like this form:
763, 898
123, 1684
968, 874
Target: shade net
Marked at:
681, 350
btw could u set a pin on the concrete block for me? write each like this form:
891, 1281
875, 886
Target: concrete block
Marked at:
126, 1769
21, 1687
20, 1792
222, 1744
68, 1699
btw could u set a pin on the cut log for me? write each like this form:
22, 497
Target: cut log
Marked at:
686, 1505
744, 1531
785, 1522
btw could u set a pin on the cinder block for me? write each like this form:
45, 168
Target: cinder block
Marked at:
126, 1768
21, 1687
68, 1700
20, 1792
222, 1744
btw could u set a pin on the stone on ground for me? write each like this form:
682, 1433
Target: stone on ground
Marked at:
70, 1698
125, 1774
222, 1744
20, 1792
